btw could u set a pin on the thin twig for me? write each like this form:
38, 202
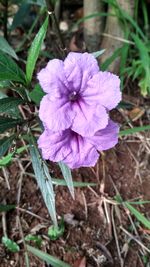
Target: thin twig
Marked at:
85, 205
62, 47
51, 12
6, 177
24, 243
33, 214
4, 225
116, 238
135, 239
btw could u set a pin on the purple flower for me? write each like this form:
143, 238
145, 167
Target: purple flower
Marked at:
79, 96
75, 150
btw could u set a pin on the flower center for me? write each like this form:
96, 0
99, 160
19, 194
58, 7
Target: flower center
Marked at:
73, 96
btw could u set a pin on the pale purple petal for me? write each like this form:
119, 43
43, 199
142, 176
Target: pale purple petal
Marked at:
89, 119
106, 138
83, 154
54, 146
108, 85
79, 68
68, 147
52, 79
56, 115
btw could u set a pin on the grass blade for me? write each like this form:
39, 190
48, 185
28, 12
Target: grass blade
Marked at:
138, 215
47, 258
75, 184
67, 176
134, 130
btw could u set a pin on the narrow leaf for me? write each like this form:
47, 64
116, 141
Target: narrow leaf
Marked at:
67, 176
35, 50
108, 61
47, 258
5, 143
75, 184
9, 103
36, 94
43, 179
6, 48
7, 123
138, 215
98, 53
134, 130
5, 160
9, 70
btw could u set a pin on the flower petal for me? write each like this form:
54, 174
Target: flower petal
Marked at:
106, 138
88, 119
68, 147
52, 78
108, 85
83, 154
54, 146
56, 115
79, 68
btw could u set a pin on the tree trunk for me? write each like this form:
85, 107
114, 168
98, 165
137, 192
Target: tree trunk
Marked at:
113, 29
93, 27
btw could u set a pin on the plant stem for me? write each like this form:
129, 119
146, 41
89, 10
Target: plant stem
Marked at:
51, 12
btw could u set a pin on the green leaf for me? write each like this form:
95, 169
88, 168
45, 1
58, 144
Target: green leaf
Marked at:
144, 55
9, 70
4, 208
35, 50
5, 143
47, 258
98, 53
10, 245
43, 179
35, 238
5, 160
141, 218
4, 84
7, 123
54, 232
22, 92
134, 130
67, 176
75, 184
108, 61
36, 94
14, 111
9, 103
6, 48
